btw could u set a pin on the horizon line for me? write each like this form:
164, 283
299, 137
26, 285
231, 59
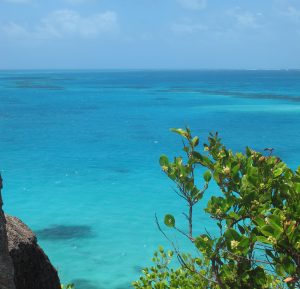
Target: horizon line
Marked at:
149, 69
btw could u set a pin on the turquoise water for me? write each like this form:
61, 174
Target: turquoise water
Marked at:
79, 154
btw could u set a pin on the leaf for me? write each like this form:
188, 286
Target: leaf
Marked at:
195, 141
288, 265
279, 269
163, 160
270, 253
196, 155
241, 229
233, 215
203, 243
290, 279
244, 244
169, 221
271, 231
207, 176
235, 169
267, 230
277, 172
203, 160
180, 131
248, 152
216, 176
274, 222
297, 187
252, 173
259, 221
263, 239
232, 234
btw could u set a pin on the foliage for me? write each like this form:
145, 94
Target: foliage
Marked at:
257, 213
68, 286
161, 276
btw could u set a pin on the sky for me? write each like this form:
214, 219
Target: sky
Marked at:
150, 34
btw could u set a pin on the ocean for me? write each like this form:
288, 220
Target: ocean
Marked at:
79, 155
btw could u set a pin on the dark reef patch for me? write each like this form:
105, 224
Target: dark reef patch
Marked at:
22, 78
238, 94
125, 286
86, 284
120, 170
10, 100
252, 95
38, 85
89, 284
162, 98
138, 269
65, 232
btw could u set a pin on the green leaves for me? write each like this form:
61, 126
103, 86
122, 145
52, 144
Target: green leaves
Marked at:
162, 276
169, 221
68, 286
164, 161
204, 244
202, 159
207, 176
278, 172
256, 207
231, 235
253, 175
180, 131
195, 141
297, 187
267, 230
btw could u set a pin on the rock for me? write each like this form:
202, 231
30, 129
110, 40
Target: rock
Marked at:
33, 269
6, 265
23, 264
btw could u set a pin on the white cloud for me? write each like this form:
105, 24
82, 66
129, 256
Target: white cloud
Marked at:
245, 18
192, 4
17, 1
293, 14
188, 28
15, 30
66, 23
76, 2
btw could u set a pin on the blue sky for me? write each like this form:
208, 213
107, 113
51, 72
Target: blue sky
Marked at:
155, 34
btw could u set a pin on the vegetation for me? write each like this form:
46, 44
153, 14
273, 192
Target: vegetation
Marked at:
257, 212
68, 286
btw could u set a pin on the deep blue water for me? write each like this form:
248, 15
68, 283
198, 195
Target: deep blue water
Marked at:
79, 154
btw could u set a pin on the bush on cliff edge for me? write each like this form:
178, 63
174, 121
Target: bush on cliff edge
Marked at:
257, 213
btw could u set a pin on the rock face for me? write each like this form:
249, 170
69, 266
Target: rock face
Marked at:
32, 267
23, 264
6, 265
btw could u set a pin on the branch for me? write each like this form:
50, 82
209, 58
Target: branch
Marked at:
180, 259
185, 234
248, 259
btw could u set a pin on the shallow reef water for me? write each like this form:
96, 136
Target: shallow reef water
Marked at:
62, 232
79, 155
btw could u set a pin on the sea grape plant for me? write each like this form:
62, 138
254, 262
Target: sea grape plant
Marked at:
67, 286
257, 211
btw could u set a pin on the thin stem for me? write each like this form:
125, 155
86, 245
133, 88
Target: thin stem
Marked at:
248, 259
185, 234
190, 220
180, 259
182, 262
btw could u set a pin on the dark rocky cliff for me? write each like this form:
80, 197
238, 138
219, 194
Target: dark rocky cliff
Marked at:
23, 264
6, 266
33, 269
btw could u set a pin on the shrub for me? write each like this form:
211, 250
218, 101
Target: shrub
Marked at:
67, 286
257, 213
